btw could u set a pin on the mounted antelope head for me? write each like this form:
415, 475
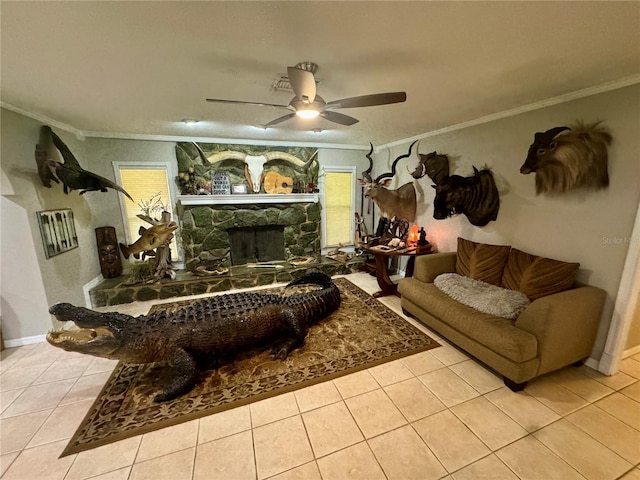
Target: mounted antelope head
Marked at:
399, 203
254, 164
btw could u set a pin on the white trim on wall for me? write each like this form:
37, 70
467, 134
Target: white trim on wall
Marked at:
20, 342
338, 169
567, 97
625, 304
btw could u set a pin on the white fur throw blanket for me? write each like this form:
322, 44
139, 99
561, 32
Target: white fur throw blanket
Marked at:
482, 296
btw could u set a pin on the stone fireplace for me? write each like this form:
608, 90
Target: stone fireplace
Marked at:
249, 228
292, 220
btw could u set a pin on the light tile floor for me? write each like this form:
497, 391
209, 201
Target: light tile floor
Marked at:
435, 415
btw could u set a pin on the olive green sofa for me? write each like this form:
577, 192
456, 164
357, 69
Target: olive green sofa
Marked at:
558, 328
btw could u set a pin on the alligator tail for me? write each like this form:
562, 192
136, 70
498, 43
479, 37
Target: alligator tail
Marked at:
314, 278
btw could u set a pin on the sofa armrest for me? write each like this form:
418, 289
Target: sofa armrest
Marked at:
565, 324
428, 267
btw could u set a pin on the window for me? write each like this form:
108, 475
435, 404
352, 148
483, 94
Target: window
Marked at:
338, 205
149, 186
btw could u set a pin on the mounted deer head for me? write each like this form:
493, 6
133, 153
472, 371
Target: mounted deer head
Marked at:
399, 203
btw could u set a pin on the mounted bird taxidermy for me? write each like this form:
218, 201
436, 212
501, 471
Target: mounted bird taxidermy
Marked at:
70, 173
476, 196
565, 159
399, 203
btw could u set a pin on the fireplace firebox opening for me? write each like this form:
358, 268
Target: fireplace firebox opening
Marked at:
256, 244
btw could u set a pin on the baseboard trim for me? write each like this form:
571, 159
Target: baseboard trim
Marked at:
87, 288
20, 342
592, 363
631, 351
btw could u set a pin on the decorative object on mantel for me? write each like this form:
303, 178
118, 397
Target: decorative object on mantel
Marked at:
239, 189
108, 253
360, 334
58, 231
70, 173
476, 196
220, 183
565, 159
274, 183
244, 163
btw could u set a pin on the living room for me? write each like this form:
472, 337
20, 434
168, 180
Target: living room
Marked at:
598, 229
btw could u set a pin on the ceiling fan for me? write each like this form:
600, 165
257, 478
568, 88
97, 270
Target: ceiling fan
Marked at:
307, 104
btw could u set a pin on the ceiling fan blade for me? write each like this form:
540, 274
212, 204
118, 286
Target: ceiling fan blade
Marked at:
219, 100
303, 84
340, 118
280, 119
369, 100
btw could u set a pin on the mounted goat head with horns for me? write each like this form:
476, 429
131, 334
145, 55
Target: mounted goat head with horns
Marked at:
566, 158
254, 164
399, 203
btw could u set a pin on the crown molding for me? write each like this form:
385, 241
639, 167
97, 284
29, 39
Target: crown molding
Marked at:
44, 119
567, 97
235, 141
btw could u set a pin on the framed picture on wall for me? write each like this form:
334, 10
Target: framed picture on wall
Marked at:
58, 231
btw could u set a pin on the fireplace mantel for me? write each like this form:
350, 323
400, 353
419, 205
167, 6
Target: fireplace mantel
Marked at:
248, 199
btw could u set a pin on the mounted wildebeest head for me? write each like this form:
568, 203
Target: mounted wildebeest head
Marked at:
399, 203
566, 158
254, 164
434, 164
476, 197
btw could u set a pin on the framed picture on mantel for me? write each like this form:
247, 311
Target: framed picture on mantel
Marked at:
220, 183
238, 188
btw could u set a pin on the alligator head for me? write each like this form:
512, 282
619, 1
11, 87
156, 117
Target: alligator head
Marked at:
98, 334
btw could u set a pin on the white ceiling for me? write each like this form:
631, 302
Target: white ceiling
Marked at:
135, 69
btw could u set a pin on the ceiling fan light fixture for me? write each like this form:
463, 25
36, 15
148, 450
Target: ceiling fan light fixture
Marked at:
307, 113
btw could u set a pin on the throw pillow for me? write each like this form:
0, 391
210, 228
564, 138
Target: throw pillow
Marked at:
481, 296
537, 276
481, 261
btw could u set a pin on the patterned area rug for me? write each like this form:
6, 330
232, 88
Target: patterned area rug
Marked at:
362, 333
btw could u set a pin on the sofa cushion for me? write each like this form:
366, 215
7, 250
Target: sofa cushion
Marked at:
481, 261
496, 333
482, 296
536, 276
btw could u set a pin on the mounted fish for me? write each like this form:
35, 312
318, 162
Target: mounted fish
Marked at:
70, 173
565, 159
150, 239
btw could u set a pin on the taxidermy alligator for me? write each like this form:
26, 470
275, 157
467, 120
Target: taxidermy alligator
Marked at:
216, 328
